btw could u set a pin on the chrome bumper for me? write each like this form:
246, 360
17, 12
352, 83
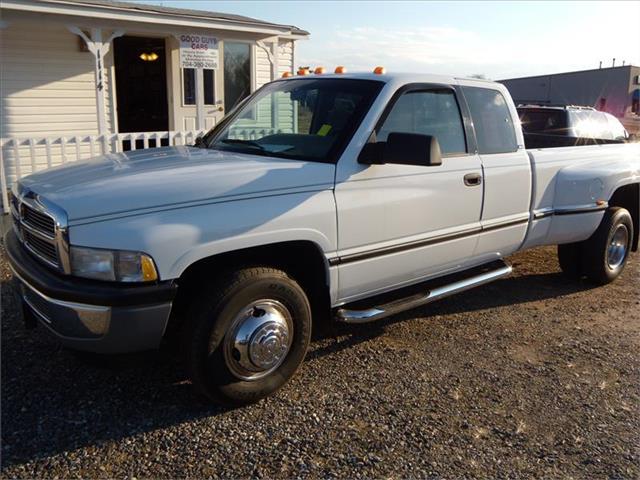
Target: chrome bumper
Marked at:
96, 328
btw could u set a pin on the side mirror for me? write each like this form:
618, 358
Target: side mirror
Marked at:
632, 138
403, 149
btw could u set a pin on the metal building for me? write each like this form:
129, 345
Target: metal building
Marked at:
615, 90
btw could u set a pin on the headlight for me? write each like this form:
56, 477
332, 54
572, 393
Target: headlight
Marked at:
113, 265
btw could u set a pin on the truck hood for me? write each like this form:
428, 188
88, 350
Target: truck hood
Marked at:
170, 177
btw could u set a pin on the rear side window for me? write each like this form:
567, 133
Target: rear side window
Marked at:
433, 112
492, 120
617, 129
543, 121
591, 124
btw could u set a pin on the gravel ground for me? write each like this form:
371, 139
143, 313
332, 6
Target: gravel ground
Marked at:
531, 376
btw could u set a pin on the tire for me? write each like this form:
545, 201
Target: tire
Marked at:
571, 259
267, 313
607, 250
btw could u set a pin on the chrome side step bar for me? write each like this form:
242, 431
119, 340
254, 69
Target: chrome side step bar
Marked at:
375, 313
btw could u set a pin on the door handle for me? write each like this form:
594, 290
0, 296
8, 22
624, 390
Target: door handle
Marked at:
472, 179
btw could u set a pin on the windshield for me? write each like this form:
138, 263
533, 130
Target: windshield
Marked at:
306, 119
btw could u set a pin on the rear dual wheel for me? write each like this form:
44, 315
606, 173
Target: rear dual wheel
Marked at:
246, 335
603, 256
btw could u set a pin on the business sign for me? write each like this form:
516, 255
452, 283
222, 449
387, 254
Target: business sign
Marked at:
198, 51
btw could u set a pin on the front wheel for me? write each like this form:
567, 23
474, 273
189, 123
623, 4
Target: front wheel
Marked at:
606, 252
247, 335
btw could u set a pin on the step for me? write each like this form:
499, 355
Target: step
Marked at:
496, 271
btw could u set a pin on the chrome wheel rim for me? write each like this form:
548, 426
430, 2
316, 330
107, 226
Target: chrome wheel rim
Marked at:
617, 250
259, 339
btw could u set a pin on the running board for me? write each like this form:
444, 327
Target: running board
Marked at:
387, 309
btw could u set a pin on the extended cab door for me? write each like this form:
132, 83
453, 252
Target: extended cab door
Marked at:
399, 224
506, 170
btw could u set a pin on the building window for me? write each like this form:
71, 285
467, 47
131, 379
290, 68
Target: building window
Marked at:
602, 104
189, 86
635, 101
237, 73
209, 87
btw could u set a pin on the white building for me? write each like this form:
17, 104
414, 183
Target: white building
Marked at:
83, 77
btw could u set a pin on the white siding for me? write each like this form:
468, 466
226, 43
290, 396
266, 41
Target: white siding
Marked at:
285, 56
263, 67
47, 88
288, 122
47, 84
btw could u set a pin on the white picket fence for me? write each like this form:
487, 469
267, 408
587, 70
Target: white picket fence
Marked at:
22, 156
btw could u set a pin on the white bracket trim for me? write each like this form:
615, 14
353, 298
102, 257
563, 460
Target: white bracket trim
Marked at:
99, 49
272, 56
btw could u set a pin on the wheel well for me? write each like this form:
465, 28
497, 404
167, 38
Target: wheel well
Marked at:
301, 260
628, 197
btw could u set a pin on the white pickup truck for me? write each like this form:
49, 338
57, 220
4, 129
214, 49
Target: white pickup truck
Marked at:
343, 197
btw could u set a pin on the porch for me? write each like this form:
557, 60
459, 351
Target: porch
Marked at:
91, 77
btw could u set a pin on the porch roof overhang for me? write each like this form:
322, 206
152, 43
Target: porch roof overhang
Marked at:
151, 14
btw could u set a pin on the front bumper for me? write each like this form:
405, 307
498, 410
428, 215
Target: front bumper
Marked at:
90, 315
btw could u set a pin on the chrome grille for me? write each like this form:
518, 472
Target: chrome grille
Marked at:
40, 247
36, 222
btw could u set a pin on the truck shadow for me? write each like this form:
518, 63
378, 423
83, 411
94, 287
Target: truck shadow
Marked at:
507, 291
55, 401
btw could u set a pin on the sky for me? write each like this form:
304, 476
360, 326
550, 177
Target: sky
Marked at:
496, 39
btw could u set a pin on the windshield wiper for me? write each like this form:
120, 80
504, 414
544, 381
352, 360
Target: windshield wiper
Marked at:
248, 143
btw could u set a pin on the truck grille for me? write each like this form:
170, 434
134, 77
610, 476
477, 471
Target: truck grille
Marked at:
36, 229
41, 222
40, 247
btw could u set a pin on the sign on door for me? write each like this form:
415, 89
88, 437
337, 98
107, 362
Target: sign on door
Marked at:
198, 51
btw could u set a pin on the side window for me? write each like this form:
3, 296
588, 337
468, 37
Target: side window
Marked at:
592, 124
604, 130
617, 129
492, 120
434, 113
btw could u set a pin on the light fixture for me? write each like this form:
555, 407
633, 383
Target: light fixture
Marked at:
148, 57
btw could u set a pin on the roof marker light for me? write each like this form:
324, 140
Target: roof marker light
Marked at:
287, 74
303, 71
341, 69
379, 70
319, 70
